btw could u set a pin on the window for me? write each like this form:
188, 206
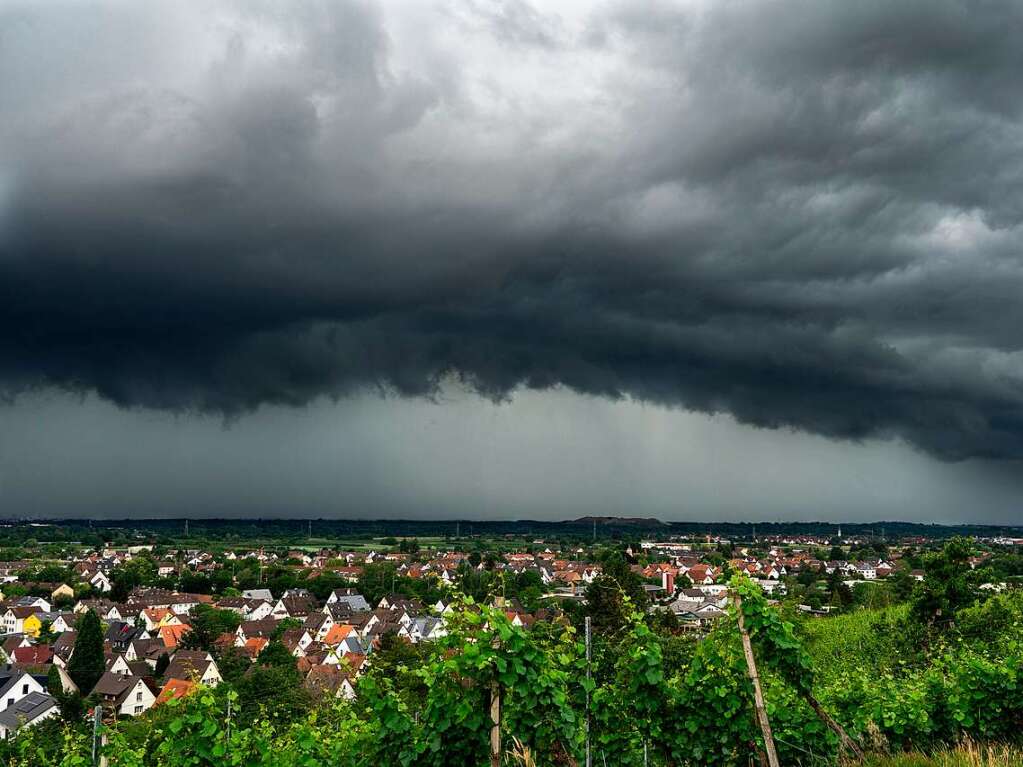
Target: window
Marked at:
10, 701
138, 695
138, 709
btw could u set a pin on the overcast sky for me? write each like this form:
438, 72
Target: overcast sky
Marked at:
697, 260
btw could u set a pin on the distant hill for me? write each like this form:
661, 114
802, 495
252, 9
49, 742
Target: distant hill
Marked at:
14, 532
620, 521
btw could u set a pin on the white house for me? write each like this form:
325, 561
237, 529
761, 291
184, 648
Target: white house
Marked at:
61, 624
100, 582
258, 610
120, 666
15, 684
30, 710
128, 695
194, 666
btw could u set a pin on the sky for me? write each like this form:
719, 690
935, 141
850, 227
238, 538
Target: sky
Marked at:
512, 259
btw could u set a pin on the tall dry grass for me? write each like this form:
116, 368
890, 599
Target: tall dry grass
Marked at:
967, 754
522, 754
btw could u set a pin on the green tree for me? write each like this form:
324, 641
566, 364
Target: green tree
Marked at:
397, 662
71, 706
233, 663
274, 690
87, 662
195, 583
615, 594
901, 584
161, 665
208, 623
275, 654
839, 595
947, 588
140, 571
287, 624
409, 546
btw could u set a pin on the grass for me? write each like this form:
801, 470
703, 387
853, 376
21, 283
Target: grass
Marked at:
848, 641
965, 755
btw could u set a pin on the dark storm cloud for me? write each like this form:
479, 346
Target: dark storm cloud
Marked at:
804, 214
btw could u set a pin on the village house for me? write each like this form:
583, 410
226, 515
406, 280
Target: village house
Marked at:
126, 694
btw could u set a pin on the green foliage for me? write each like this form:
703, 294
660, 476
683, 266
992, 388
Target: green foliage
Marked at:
996, 623
876, 641
378, 580
687, 701
276, 655
615, 594
271, 688
87, 662
534, 671
409, 546
947, 588
208, 623
48, 744
286, 624
233, 663
138, 571
839, 595
195, 583
161, 665
274, 693
398, 661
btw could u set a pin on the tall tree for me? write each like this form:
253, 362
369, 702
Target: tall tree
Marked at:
161, 664
947, 587
208, 623
87, 662
605, 596
839, 594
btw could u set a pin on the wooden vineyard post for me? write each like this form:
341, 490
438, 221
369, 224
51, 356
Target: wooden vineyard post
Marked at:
836, 728
758, 695
589, 763
495, 727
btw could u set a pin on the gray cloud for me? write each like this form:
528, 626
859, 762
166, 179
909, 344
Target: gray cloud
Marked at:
803, 214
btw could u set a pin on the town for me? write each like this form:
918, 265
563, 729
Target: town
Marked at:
114, 631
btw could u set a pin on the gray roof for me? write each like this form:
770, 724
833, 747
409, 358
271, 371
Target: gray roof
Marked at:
427, 624
114, 684
28, 709
258, 594
355, 601
187, 668
355, 644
